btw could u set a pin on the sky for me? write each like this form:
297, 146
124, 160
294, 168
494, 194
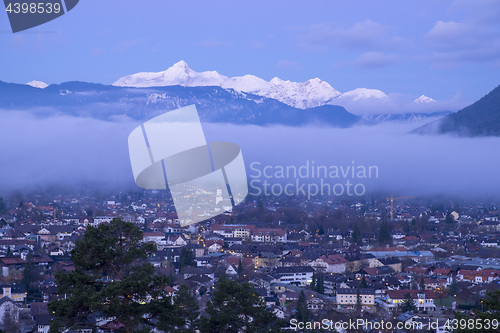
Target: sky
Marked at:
447, 49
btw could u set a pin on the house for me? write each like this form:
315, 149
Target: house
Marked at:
296, 275
268, 235
15, 292
394, 263
214, 246
153, 237
480, 276
102, 219
348, 298
423, 299
333, 263
42, 322
315, 303
231, 270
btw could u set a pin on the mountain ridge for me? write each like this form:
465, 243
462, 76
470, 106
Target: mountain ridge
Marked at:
481, 118
311, 93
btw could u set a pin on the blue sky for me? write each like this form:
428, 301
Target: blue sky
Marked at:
444, 49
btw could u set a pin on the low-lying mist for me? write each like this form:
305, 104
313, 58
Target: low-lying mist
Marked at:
57, 149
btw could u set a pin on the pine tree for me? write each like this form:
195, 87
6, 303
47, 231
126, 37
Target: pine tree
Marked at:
320, 285
235, 307
186, 258
188, 310
357, 238
240, 268
422, 283
302, 313
407, 304
312, 285
363, 283
453, 288
384, 236
359, 305
3, 206
111, 276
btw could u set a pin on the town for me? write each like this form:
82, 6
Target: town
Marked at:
325, 262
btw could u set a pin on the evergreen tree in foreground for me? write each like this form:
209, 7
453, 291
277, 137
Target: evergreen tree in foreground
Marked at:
236, 308
113, 278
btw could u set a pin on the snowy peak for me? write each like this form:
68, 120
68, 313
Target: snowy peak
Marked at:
37, 84
303, 95
311, 93
178, 74
364, 93
423, 100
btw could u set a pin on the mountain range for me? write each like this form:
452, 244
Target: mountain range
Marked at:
214, 104
302, 95
481, 118
238, 100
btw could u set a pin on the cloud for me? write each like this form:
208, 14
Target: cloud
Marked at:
47, 147
370, 60
65, 150
452, 43
287, 64
454, 36
408, 164
365, 35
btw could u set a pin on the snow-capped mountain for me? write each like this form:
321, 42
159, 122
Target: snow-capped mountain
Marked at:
37, 84
311, 93
363, 93
424, 99
303, 95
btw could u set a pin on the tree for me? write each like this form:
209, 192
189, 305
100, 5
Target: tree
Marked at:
3, 206
112, 277
10, 324
186, 258
359, 305
408, 304
357, 238
31, 278
236, 307
302, 313
320, 283
490, 312
453, 288
313, 284
384, 236
240, 268
187, 310
363, 283
422, 283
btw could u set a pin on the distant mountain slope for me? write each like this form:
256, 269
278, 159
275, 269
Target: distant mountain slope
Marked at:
214, 104
479, 119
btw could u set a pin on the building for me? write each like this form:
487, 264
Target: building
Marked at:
333, 263
423, 299
296, 275
348, 298
15, 292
